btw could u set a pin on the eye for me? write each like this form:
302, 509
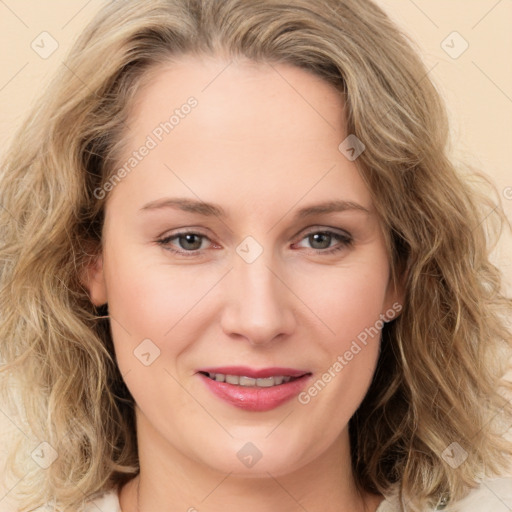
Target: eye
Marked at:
189, 243
184, 242
322, 241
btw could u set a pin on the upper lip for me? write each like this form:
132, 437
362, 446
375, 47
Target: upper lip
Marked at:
255, 372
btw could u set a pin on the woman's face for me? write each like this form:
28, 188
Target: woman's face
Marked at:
242, 242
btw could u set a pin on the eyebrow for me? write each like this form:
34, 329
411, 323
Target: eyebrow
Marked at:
210, 209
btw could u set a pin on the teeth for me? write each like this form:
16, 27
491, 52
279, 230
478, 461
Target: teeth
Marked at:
246, 381
232, 379
267, 382
242, 380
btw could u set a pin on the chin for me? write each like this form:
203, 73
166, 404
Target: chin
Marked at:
257, 458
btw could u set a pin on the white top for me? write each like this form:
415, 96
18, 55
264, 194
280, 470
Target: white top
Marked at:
492, 496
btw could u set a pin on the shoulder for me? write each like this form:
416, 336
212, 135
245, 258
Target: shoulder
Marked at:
492, 495
108, 502
105, 502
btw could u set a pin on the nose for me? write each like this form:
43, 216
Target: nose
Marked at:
258, 303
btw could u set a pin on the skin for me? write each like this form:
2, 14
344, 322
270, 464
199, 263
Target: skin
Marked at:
262, 143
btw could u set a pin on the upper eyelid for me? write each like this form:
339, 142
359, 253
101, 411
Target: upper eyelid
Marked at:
306, 231
324, 229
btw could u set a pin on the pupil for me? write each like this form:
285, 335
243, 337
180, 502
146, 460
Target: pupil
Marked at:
189, 242
323, 239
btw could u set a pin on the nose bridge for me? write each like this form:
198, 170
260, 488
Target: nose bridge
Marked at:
259, 283
258, 306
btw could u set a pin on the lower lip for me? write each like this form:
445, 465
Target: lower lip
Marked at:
254, 398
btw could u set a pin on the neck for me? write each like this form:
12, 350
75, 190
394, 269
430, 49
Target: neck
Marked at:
169, 481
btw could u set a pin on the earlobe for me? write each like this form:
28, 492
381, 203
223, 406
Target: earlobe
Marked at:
392, 312
395, 301
93, 279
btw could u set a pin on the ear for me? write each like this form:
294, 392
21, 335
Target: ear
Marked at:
395, 296
93, 278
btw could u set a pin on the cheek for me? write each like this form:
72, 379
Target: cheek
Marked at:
150, 307
146, 302
348, 300
350, 306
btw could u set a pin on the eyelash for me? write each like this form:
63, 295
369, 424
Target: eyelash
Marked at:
345, 239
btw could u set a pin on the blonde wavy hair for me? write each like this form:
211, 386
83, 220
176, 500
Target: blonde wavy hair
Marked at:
439, 376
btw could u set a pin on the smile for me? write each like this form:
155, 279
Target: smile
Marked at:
242, 380
254, 390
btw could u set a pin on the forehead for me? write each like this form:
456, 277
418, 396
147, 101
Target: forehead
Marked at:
272, 129
240, 92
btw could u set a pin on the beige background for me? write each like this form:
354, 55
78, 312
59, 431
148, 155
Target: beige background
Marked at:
477, 85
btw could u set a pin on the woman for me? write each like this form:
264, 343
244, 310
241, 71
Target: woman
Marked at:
240, 271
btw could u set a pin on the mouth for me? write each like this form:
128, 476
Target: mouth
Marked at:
254, 390
243, 380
